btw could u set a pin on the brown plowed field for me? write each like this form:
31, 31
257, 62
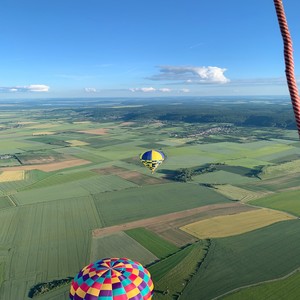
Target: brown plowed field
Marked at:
99, 131
133, 176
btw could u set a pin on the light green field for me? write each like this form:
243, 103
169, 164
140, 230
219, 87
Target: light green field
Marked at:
237, 193
281, 170
280, 155
284, 201
10, 146
120, 245
47, 194
84, 153
267, 150
151, 241
246, 155
119, 152
258, 145
76, 188
245, 162
288, 288
174, 161
59, 178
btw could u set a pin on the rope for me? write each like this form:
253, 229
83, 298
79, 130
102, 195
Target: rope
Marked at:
289, 61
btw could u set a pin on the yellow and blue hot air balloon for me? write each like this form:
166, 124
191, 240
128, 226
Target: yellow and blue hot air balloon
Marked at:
152, 159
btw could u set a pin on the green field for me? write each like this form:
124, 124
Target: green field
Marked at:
58, 247
151, 241
223, 177
247, 259
146, 201
4, 202
83, 153
171, 276
59, 178
120, 245
11, 187
11, 146
288, 288
281, 169
2, 272
71, 189
47, 218
10, 162
237, 193
277, 184
285, 201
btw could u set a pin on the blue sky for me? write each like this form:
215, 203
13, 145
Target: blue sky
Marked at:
137, 48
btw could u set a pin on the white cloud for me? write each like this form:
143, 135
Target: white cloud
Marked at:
192, 74
24, 89
90, 90
165, 90
144, 89
184, 90
37, 88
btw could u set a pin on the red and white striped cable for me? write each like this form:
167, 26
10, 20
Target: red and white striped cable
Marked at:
289, 60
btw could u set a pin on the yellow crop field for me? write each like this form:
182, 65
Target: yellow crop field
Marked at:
75, 143
7, 176
223, 226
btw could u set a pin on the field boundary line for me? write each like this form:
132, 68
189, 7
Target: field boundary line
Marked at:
258, 283
12, 201
160, 219
283, 211
29, 186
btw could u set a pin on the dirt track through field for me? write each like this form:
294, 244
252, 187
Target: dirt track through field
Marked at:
161, 219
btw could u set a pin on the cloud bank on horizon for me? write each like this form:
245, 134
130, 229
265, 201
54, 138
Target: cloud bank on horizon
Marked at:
192, 74
185, 75
24, 89
162, 90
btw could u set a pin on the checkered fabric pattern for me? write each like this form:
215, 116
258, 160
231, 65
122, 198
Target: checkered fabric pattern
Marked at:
152, 159
112, 279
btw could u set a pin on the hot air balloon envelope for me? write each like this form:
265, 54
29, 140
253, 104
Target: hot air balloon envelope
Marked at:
152, 159
112, 279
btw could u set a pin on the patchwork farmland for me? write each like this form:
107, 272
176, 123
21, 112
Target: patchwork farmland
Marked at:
72, 190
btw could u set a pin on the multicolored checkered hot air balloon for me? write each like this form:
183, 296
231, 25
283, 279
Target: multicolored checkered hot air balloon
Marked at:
112, 279
152, 159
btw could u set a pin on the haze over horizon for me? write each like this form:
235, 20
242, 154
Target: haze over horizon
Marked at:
137, 49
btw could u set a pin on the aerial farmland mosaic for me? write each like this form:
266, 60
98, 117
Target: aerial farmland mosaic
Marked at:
218, 219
